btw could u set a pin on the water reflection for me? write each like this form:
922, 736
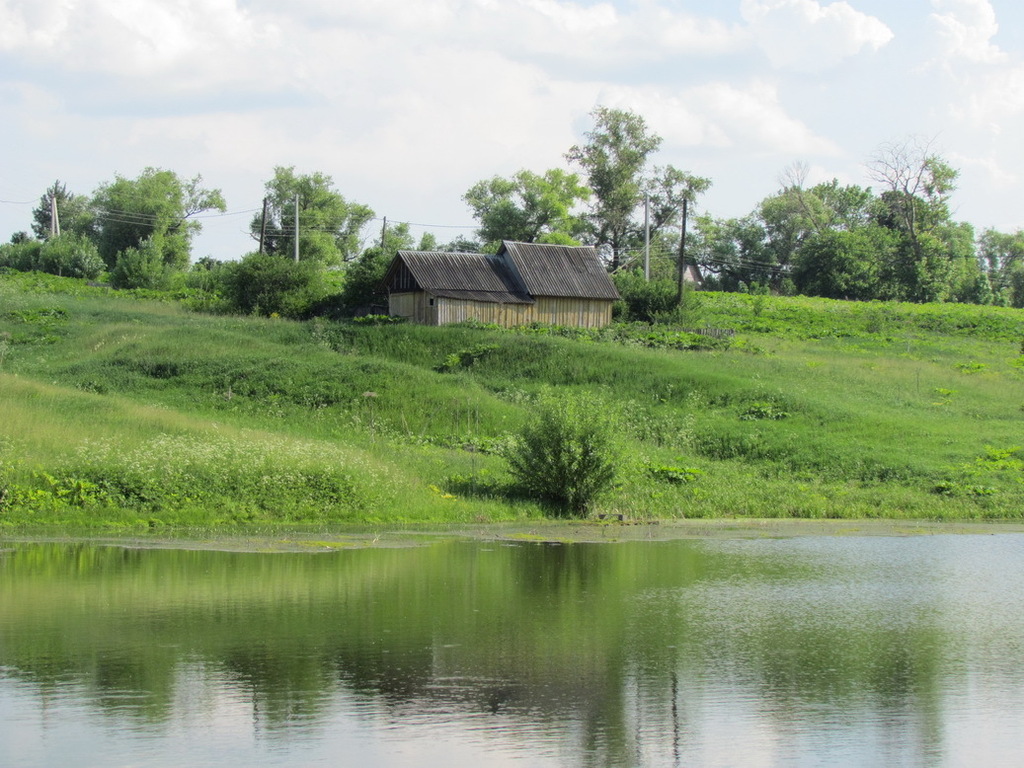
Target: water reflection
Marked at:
860, 651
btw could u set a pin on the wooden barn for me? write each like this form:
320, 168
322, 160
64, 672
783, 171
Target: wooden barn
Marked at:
522, 283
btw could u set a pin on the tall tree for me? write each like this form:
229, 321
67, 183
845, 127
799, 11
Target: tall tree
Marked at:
735, 251
158, 206
330, 227
1002, 256
74, 212
615, 160
528, 208
918, 184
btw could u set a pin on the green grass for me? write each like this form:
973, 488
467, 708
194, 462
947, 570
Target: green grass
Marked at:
122, 410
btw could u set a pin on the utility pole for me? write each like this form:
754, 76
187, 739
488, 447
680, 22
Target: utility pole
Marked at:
647, 237
296, 227
263, 226
54, 217
383, 233
682, 256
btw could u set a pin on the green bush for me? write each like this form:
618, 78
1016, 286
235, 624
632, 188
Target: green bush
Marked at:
644, 301
566, 455
23, 256
71, 255
266, 284
141, 267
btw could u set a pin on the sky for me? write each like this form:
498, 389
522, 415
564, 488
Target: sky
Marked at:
406, 104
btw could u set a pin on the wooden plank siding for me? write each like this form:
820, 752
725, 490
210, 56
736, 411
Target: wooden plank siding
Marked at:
583, 313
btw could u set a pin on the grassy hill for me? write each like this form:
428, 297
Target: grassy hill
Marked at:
128, 411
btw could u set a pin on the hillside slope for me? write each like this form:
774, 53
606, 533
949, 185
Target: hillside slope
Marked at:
126, 411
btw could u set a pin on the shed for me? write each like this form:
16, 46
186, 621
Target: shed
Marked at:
522, 283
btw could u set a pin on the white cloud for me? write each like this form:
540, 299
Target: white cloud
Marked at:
200, 42
991, 99
805, 35
407, 104
965, 29
722, 115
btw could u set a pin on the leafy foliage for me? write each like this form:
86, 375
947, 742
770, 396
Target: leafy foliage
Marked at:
528, 208
141, 267
74, 213
329, 226
615, 160
566, 454
645, 301
157, 206
265, 284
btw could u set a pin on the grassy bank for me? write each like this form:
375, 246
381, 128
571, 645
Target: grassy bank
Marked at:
134, 412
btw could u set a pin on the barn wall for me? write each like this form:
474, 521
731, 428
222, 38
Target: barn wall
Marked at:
582, 313
460, 310
408, 305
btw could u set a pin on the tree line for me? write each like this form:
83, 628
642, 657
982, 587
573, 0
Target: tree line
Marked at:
897, 241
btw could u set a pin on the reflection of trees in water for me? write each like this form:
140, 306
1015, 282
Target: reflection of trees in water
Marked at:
601, 641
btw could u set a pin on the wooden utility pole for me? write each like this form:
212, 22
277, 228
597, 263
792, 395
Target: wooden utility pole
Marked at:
682, 255
383, 233
647, 237
54, 217
296, 228
263, 226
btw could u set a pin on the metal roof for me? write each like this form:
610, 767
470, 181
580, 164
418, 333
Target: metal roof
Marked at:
515, 275
474, 276
560, 270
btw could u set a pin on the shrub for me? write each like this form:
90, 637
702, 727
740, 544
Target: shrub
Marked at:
566, 454
22, 256
645, 301
141, 267
266, 284
71, 255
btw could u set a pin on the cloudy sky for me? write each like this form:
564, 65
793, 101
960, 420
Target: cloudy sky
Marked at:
407, 103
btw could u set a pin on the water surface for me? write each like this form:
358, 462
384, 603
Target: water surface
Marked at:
793, 651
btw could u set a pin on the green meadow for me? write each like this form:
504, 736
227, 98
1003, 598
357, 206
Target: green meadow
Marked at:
132, 411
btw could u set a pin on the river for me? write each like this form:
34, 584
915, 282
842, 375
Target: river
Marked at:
788, 651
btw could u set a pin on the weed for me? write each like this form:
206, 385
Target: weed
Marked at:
763, 410
673, 475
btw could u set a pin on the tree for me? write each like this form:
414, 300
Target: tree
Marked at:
840, 264
615, 160
460, 245
74, 213
158, 207
330, 227
528, 208
1002, 256
918, 185
363, 276
735, 250
915, 204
